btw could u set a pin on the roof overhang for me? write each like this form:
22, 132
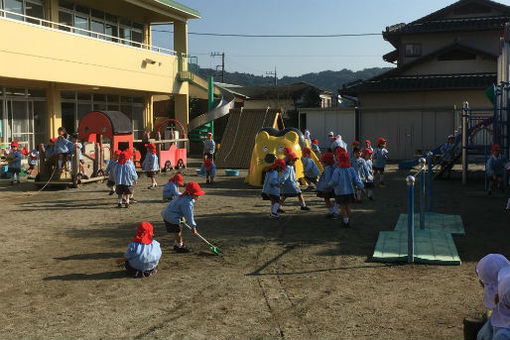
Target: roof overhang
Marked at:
169, 10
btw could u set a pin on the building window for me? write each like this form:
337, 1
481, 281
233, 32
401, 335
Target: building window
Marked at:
412, 50
19, 8
107, 26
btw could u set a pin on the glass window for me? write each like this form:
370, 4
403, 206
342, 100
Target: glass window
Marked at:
99, 98
83, 10
34, 10
97, 14
112, 99
112, 31
81, 22
83, 109
68, 95
37, 93
138, 26
65, 19
412, 50
137, 36
84, 96
98, 27
15, 6
125, 33
111, 18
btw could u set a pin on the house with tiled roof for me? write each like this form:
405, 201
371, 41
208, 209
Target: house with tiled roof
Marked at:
442, 60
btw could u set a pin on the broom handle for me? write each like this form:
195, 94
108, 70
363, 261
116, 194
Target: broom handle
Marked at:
200, 236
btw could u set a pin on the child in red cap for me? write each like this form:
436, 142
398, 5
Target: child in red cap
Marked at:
290, 186
209, 146
182, 208
171, 189
208, 169
143, 253
368, 145
125, 178
316, 148
380, 157
110, 168
271, 188
310, 169
151, 164
14, 158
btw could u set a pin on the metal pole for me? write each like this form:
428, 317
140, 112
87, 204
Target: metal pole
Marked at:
423, 162
410, 219
465, 109
430, 181
211, 100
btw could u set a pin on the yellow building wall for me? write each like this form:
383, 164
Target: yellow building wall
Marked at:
36, 53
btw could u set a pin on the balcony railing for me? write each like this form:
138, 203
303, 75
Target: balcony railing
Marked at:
51, 25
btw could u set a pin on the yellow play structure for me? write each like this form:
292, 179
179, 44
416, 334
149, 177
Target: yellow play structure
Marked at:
269, 145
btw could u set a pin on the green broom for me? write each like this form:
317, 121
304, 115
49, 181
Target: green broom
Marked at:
214, 249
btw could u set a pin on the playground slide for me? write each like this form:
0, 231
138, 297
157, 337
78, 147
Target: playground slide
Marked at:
409, 164
223, 108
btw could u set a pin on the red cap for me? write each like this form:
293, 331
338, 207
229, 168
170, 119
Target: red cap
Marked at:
495, 147
14, 144
343, 158
24, 151
287, 149
381, 141
144, 233
307, 151
123, 157
328, 158
368, 142
356, 142
279, 163
151, 147
366, 151
177, 179
209, 134
292, 156
53, 140
192, 188
315, 142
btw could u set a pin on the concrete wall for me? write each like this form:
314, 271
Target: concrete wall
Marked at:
414, 121
321, 121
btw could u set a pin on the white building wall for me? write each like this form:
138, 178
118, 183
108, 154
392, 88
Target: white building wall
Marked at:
321, 121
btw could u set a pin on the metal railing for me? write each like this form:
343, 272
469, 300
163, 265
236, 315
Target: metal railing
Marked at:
410, 181
51, 25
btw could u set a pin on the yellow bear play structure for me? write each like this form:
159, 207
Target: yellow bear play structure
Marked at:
269, 144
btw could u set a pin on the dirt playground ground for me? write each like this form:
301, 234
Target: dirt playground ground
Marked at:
298, 278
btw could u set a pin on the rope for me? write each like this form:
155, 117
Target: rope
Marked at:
235, 136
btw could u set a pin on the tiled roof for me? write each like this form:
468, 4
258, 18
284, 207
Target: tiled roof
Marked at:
449, 25
421, 83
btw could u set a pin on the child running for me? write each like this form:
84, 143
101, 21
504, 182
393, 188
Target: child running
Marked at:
290, 186
310, 169
344, 180
143, 253
271, 188
171, 189
323, 189
380, 157
182, 208
151, 164
125, 178
495, 169
14, 158
487, 270
368, 174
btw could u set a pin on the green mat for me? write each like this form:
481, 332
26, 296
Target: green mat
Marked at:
430, 247
434, 221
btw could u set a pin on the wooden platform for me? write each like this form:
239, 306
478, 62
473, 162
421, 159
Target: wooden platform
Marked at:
434, 221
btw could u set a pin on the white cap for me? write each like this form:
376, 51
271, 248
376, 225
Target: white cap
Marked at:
451, 136
331, 134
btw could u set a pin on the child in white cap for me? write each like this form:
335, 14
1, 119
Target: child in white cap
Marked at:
487, 270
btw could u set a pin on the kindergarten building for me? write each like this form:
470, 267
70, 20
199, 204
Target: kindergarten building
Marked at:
442, 59
62, 59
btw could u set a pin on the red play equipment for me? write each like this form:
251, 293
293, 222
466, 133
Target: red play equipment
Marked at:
170, 155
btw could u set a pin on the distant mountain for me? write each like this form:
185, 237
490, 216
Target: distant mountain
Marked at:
329, 80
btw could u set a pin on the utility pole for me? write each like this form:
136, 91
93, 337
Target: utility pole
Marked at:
222, 55
273, 73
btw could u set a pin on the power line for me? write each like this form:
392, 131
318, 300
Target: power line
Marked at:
238, 35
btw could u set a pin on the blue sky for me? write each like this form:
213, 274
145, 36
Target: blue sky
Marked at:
301, 55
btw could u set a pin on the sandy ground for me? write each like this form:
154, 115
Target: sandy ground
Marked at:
301, 277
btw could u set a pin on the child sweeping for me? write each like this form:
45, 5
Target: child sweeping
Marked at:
380, 157
151, 164
487, 270
171, 189
271, 188
310, 169
323, 189
344, 180
143, 253
125, 178
182, 208
290, 186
